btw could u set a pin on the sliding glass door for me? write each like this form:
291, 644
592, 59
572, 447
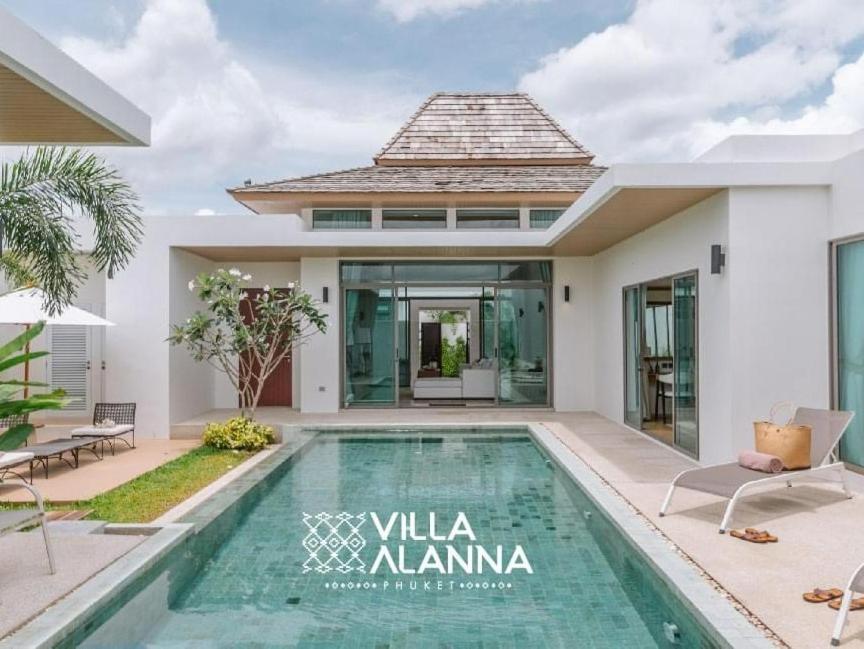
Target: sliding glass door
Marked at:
632, 356
849, 346
523, 374
684, 413
661, 348
370, 360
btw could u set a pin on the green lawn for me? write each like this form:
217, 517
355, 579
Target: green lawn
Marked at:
153, 493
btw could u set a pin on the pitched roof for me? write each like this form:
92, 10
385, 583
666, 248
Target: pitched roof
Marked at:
505, 127
381, 179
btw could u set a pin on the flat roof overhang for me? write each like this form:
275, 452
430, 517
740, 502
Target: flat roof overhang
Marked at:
630, 198
46, 97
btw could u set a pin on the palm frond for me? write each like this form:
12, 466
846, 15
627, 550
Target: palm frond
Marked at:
39, 195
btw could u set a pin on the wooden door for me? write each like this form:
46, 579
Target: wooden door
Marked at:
277, 388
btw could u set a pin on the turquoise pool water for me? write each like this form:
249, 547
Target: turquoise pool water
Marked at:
242, 583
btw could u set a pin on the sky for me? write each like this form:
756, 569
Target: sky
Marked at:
272, 89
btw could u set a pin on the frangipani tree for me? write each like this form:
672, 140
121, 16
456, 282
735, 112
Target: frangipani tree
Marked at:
246, 333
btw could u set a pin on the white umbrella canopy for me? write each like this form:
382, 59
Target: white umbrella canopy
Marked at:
26, 307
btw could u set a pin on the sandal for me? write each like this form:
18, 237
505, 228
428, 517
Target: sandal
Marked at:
746, 536
820, 596
854, 605
769, 538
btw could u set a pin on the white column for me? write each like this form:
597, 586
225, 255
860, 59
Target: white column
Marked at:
320, 355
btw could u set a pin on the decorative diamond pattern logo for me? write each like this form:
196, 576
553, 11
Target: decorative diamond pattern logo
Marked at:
334, 542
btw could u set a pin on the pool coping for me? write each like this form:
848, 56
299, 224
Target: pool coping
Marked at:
708, 606
726, 624
61, 619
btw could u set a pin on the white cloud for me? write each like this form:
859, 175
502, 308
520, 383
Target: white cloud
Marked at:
216, 115
675, 75
407, 10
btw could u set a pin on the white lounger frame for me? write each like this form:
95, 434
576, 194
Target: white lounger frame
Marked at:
40, 518
778, 477
844, 606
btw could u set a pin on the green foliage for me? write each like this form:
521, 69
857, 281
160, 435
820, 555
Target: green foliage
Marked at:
452, 356
11, 402
246, 335
238, 434
38, 194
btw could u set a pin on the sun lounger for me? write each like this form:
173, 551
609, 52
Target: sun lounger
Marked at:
123, 416
56, 448
731, 480
856, 585
14, 519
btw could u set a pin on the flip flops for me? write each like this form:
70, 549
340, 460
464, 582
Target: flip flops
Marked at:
820, 596
769, 538
854, 605
754, 536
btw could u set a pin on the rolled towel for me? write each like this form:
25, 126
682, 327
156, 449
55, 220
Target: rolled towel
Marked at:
760, 461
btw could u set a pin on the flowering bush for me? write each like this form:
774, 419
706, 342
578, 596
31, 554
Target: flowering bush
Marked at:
246, 333
238, 434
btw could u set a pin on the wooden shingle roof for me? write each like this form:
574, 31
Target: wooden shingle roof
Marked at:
496, 128
496, 178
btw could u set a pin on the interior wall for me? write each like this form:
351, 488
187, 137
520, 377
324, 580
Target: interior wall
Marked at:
679, 244
472, 306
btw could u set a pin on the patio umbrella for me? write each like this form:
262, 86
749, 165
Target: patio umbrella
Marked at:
26, 307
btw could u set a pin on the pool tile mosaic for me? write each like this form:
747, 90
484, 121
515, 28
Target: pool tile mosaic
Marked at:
588, 589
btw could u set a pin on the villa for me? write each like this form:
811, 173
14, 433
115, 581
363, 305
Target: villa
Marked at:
679, 299
521, 342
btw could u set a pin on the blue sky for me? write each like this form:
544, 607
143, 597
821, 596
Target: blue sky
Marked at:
269, 89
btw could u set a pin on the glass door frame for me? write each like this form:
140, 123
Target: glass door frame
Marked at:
398, 286
642, 305
834, 334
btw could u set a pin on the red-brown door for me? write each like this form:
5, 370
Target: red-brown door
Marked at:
277, 387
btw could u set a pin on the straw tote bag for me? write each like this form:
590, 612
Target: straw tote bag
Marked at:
790, 442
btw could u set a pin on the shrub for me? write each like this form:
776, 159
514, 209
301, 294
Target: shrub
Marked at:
238, 434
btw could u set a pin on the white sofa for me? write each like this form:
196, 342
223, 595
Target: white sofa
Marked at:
478, 383
438, 388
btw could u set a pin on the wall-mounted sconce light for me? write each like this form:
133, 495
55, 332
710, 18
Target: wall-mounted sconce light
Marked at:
566, 293
718, 259
325, 294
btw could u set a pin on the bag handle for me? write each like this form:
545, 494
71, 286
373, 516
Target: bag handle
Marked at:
778, 407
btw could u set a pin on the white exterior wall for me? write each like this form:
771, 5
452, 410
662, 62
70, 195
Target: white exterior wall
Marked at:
573, 334
778, 273
320, 355
677, 245
191, 384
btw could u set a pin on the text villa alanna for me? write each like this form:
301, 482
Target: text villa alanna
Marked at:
469, 559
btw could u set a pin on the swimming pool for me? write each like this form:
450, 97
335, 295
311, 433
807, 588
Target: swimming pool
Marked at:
261, 571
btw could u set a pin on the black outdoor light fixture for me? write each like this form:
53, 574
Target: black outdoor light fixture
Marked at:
718, 259
566, 292
325, 294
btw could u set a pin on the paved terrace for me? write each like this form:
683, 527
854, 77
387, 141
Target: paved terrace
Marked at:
819, 529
